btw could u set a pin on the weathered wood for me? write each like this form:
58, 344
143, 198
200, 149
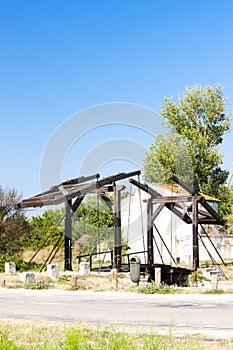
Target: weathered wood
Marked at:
117, 229
150, 245
195, 233
68, 237
172, 199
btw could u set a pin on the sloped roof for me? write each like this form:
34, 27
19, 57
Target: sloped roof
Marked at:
178, 189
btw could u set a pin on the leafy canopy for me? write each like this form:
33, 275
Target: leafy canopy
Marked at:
197, 124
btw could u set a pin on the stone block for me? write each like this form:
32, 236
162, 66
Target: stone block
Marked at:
158, 275
84, 268
10, 267
27, 277
53, 271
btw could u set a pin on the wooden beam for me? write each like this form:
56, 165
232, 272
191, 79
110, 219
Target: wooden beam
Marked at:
195, 233
68, 237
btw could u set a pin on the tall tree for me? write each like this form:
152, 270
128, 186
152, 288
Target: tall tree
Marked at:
199, 122
13, 224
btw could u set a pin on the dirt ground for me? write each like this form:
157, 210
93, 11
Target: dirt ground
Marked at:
71, 281
94, 281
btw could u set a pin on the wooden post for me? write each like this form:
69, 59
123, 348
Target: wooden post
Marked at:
68, 236
195, 232
150, 250
117, 228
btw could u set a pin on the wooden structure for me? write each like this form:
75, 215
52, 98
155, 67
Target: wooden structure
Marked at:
72, 193
199, 213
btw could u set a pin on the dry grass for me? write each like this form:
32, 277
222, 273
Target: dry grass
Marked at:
73, 281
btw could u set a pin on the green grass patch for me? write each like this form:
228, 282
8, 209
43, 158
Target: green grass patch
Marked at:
6, 343
34, 336
214, 291
38, 285
154, 288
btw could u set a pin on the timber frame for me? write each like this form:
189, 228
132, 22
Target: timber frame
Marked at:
72, 193
195, 216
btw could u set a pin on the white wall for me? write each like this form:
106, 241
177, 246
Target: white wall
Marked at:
175, 232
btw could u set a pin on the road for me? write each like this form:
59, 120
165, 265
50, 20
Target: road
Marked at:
210, 315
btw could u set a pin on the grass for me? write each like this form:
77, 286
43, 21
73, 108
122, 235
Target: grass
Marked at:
38, 285
25, 336
155, 288
214, 291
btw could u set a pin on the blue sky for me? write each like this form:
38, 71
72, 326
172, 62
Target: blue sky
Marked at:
62, 57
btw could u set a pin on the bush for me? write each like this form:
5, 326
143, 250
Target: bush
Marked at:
195, 278
38, 285
154, 288
21, 265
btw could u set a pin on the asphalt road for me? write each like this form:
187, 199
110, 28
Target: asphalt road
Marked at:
211, 315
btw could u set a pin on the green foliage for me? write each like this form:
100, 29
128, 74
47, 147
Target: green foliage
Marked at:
38, 285
91, 221
78, 285
227, 209
12, 222
196, 277
167, 156
155, 288
199, 122
12, 229
7, 344
84, 339
21, 265
43, 229
214, 291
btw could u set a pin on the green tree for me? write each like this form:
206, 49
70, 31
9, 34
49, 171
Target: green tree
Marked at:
197, 124
229, 209
43, 230
13, 224
92, 220
167, 155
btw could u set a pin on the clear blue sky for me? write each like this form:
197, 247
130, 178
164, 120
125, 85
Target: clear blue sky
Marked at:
60, 57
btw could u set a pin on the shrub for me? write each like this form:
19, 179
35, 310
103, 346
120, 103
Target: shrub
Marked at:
154, 288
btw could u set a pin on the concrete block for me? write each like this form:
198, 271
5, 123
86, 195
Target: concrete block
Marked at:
10, 267
158, 275
27, 277
114, 278
84, 268
53, 271
214, 282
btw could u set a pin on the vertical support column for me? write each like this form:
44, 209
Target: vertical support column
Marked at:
195, 233
150, 250
68, 237
117, 228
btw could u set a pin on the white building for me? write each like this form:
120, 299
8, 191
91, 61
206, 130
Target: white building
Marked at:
175, 233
